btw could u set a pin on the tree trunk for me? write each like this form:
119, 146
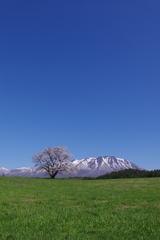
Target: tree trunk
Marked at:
54, 174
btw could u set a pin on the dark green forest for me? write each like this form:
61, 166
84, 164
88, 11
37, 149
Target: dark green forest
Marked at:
129, 173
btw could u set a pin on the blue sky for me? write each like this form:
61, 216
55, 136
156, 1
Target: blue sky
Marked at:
81, 74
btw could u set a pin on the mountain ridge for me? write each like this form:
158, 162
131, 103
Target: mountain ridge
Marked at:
86, 167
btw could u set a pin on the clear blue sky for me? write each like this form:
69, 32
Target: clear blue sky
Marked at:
81, 74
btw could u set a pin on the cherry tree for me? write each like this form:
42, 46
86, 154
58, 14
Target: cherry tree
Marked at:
54, 160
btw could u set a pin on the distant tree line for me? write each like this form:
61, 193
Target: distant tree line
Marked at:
129, 173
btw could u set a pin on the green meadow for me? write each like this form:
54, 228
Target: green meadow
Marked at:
79, 209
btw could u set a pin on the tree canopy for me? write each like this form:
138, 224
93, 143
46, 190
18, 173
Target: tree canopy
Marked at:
54, 160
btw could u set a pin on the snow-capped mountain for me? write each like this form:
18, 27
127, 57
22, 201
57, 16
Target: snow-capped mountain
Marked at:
95, 167
23, 172
89, 167
27, 172
4, 171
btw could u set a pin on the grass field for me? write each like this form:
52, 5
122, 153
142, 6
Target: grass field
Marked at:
79, 209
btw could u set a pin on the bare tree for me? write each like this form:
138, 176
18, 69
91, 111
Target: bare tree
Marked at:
54, 160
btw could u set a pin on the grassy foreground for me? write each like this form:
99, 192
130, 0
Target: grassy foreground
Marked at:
79, 209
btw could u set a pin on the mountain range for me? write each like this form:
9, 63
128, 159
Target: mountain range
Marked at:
88, 167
